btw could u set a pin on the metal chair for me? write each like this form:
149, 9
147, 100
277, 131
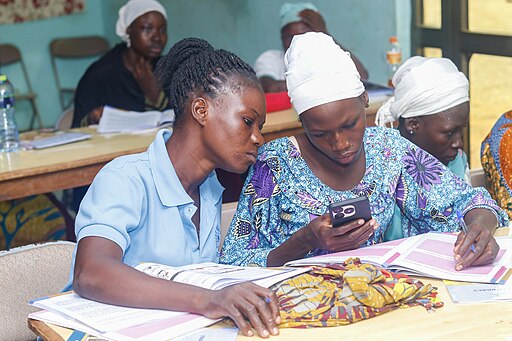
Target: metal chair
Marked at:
74, 48
10, 54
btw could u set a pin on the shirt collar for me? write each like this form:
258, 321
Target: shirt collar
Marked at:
168, 185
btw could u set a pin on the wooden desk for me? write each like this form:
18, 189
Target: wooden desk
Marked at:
281, 123
40, 171
451, 322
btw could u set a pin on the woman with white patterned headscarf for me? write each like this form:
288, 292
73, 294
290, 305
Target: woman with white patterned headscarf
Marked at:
282, 213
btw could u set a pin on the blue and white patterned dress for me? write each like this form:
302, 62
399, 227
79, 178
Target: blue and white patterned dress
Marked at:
282, 195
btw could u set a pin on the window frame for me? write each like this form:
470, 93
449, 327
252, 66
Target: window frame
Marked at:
455, 40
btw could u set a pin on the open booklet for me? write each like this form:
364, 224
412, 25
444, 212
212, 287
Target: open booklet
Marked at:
113, 322
428, 255
116, 120
218, 276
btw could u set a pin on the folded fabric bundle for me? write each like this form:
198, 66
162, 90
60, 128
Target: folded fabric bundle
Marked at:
341, 294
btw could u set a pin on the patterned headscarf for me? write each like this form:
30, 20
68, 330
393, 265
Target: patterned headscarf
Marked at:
424, 86
318, 71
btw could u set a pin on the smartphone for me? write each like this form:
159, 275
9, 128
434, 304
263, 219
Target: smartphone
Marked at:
345, 211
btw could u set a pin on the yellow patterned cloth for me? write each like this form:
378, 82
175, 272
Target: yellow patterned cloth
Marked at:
346, 293
32, 219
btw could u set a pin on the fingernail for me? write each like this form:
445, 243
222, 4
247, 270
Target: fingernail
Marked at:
265, 333
278, 319
457, 257
275, 330
459, 267
360, 221
250, 333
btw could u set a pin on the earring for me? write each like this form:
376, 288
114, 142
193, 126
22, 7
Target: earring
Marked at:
128, 42
411, 132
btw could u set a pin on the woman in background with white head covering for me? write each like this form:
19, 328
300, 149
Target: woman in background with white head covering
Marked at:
431, 105
123, 78
283, 210
295, 18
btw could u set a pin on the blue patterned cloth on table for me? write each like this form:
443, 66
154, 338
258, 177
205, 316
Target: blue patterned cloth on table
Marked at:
282, 195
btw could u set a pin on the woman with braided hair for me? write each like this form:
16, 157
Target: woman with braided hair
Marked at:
164, 205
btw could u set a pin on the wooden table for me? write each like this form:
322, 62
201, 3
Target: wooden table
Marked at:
31, 172
451, 322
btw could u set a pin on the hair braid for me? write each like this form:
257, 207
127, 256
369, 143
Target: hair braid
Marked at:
193, 64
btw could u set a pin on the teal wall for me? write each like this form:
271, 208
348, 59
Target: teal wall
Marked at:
246, 27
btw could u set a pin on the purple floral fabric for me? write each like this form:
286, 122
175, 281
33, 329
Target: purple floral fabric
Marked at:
282, 195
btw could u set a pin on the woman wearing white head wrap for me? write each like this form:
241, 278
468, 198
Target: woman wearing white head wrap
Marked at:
431, 105
283, 214
131, 11
123, 78
295, 18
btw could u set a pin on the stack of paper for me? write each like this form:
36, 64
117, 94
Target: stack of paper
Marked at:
116, 120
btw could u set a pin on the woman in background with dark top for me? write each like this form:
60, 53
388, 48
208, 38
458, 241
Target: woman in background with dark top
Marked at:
123, 78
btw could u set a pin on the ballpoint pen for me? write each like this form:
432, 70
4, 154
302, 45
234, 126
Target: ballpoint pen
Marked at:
464, 227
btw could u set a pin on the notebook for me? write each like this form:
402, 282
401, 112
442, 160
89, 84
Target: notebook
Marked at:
58, 139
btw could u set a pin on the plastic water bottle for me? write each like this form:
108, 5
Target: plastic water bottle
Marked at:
9, 137
393, 58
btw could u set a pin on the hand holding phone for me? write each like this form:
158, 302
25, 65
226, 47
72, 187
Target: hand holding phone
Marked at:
349, 210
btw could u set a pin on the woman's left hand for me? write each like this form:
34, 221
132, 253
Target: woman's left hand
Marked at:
143, 74
314, 20
476, 248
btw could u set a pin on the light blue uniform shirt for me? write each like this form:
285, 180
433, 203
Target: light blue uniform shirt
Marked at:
138, 202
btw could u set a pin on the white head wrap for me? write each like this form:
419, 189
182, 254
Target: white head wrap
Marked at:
424, 86
131, 11
290, 12
318, 71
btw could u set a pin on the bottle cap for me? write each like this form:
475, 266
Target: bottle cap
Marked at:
3, 78
393, 39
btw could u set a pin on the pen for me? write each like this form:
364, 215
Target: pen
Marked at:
464, 227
